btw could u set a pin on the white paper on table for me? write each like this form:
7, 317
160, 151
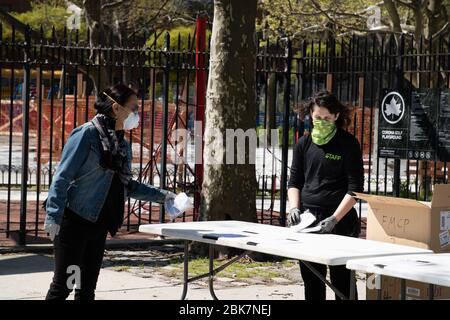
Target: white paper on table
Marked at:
306, 219
311, 230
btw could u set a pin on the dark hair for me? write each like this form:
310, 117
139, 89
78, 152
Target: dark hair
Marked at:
326, 99
119, 92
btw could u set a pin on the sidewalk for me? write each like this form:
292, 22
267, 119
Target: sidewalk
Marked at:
27, 277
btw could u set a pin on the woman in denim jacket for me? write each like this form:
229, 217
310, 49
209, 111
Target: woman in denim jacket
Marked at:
87, 195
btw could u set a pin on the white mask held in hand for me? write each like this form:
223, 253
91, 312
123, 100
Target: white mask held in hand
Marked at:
131, 122
176, 206
52, 230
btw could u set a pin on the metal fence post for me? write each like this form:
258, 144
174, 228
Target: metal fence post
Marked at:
285, 138
200, 97
25, 138
399, 80
165, 121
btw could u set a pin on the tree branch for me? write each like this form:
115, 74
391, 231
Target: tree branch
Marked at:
111, 5
442, 30
185, 20
332, 14
290, 5
151, 19
334, 21
409, 5
393, 13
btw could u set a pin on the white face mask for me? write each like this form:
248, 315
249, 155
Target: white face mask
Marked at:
131, 122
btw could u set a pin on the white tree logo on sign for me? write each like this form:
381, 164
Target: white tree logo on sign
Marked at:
393, 107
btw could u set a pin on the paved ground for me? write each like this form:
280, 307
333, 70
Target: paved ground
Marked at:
27, 277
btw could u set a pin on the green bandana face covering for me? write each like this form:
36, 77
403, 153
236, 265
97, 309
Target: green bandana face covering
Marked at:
323, 131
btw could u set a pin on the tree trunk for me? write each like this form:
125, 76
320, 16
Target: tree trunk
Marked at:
393, 14
229, 190
97, 34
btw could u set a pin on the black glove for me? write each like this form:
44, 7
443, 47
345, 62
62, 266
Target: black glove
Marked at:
294, 217
327, 225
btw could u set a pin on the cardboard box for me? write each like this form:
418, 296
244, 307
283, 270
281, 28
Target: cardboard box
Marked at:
412, 223
421, 291
391, 290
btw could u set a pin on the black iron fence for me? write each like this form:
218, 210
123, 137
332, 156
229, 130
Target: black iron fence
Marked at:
48, 87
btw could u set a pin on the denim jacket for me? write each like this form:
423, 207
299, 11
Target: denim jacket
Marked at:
81, 184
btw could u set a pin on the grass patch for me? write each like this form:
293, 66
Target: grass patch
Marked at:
239, 270
121, 268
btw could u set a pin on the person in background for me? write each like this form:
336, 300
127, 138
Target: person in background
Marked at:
88, 192
327, 167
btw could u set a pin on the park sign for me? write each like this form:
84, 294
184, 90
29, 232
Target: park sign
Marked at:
414, 124
393, 124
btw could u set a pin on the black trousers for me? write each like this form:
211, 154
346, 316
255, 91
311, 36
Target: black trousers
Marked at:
79, 246
315, 289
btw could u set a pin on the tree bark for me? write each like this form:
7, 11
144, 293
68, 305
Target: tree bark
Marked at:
229, 190
393, 14
97, 33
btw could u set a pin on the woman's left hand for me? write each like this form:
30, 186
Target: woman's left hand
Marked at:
175, 209
170, 196
52, 230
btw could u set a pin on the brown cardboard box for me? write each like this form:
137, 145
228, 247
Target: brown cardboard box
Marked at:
390, 289
410, 222
421, 291
413, 223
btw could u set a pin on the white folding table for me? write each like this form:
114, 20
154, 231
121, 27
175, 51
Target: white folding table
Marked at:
433, 269
325, 249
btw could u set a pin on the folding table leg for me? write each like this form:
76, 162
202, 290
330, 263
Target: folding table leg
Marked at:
380, 288
352, 285
324, 280
211, 272
402, 289
185, 270
431, 290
